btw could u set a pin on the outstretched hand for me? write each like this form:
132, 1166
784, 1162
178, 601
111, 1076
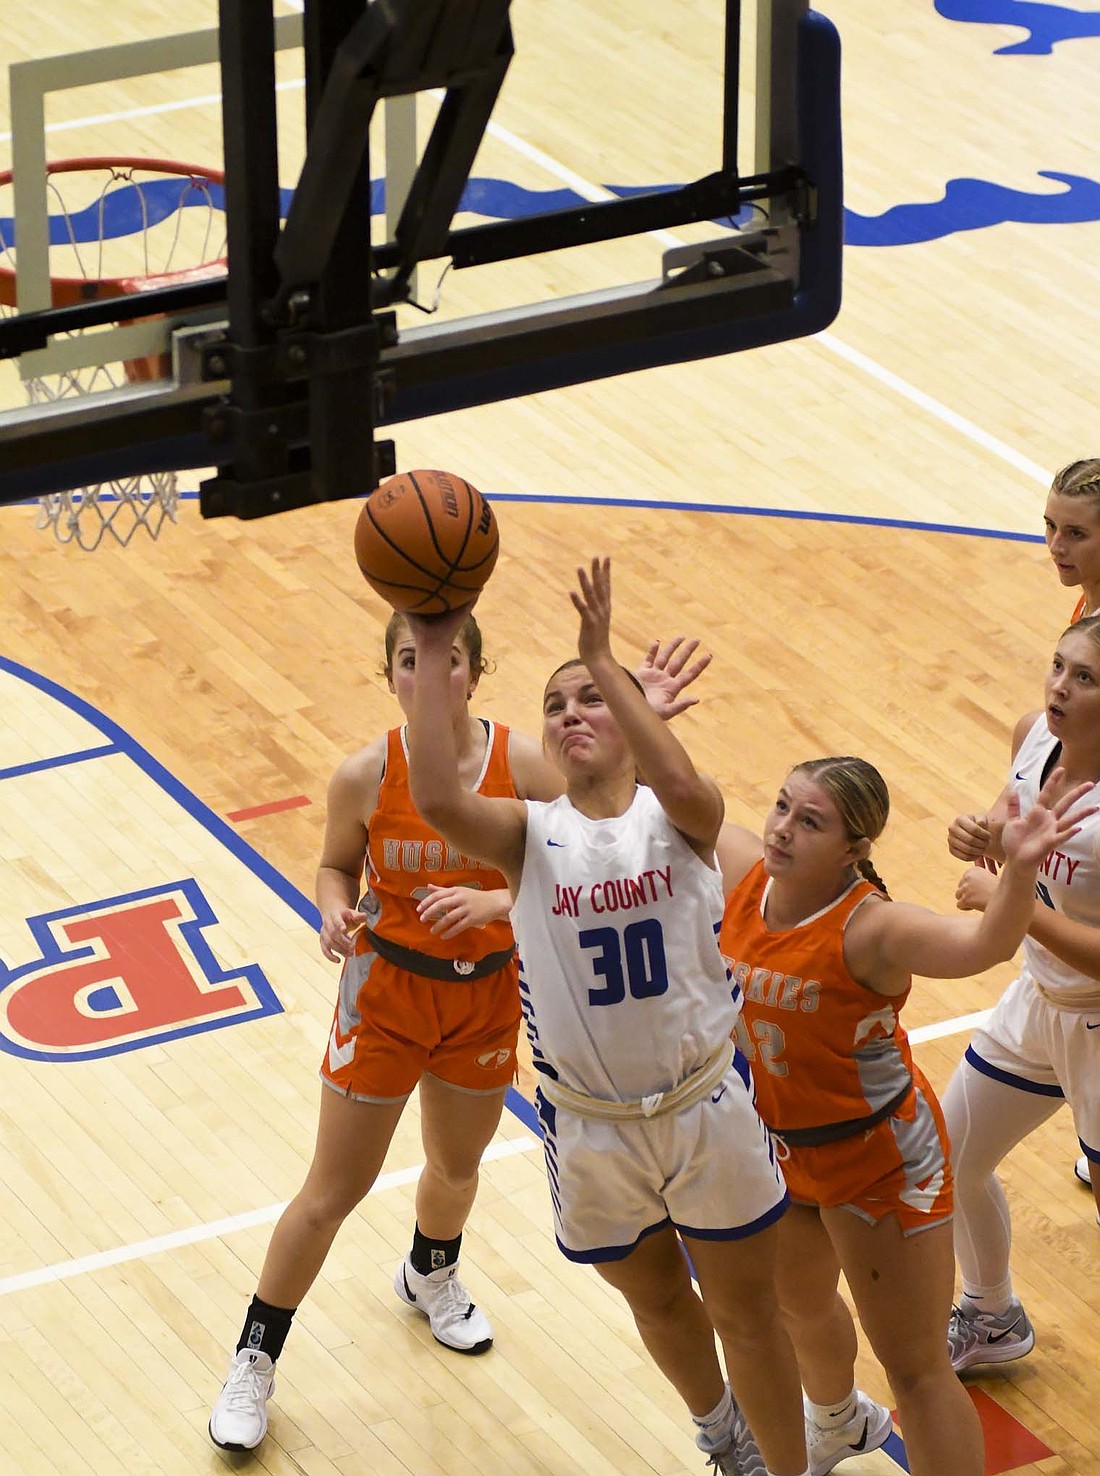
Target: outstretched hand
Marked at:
667, 670
593, 605
438, 630
1057, 815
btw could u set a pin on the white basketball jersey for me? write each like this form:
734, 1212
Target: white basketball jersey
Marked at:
623, 988
1069, 879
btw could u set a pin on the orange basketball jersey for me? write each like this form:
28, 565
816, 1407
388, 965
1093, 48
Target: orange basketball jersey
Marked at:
824, 1049
404, 855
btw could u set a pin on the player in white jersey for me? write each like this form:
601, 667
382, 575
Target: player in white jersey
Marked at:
651, 1132
1071, 521
1041, 1045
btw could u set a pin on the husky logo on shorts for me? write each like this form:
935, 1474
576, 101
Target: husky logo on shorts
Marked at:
129, 971
491, 1059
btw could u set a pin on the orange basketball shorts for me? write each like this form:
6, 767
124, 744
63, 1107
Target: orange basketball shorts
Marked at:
902, 1166
391, 1026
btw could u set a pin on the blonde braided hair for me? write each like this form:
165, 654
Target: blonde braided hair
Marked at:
1078, 479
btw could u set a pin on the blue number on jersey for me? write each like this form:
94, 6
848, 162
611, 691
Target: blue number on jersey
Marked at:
643, 945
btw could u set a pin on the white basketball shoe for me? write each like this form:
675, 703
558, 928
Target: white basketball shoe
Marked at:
238, 1420
454, 1319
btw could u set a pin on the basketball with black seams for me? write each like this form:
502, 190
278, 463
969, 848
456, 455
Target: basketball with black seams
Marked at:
426, 541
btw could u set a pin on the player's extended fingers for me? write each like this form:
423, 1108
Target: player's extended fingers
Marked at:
681, 704
696, 669
660, 652
587, 601
1070, 797
685, 649
673, 656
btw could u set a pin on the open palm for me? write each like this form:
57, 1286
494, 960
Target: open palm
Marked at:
1056, 815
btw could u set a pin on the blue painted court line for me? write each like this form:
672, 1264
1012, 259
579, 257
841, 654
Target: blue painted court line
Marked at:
58, 761
858, 520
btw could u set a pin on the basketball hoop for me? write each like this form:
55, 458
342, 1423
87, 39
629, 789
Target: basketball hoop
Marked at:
117, 226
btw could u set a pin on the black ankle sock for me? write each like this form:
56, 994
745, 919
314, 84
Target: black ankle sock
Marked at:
432, 1255
265, 1328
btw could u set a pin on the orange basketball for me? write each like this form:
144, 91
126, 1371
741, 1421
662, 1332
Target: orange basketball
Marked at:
426, 541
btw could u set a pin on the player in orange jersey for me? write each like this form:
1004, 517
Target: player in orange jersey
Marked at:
824, 959
428, 998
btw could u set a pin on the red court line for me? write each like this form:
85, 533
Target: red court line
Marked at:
271, 808
1008, 1445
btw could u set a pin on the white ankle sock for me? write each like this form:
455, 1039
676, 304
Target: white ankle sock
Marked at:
717, 1426
996, 1300
832, 1416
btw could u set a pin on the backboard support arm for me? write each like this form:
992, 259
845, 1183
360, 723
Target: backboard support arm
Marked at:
287, 399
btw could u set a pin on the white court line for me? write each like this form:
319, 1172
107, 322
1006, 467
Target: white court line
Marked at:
589, 191
829, 341
140, 1249
948, 1027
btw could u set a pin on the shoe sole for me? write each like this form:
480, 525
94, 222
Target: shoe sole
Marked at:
979, 1357
233, 1445
472, 1352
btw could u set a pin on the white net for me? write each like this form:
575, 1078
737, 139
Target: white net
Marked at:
116, 226
119, 508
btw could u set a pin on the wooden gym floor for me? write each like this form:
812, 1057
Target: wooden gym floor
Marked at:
174, 711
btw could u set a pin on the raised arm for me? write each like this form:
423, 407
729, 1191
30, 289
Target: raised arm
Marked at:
691, 800
888, 941
493, 830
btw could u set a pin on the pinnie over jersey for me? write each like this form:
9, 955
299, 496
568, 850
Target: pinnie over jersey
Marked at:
1069, 878
405, 856
623, 988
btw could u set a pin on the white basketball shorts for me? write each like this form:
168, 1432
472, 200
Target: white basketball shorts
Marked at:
709, 1171
1030, 1044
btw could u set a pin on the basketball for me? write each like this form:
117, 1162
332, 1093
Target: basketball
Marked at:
426, 541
